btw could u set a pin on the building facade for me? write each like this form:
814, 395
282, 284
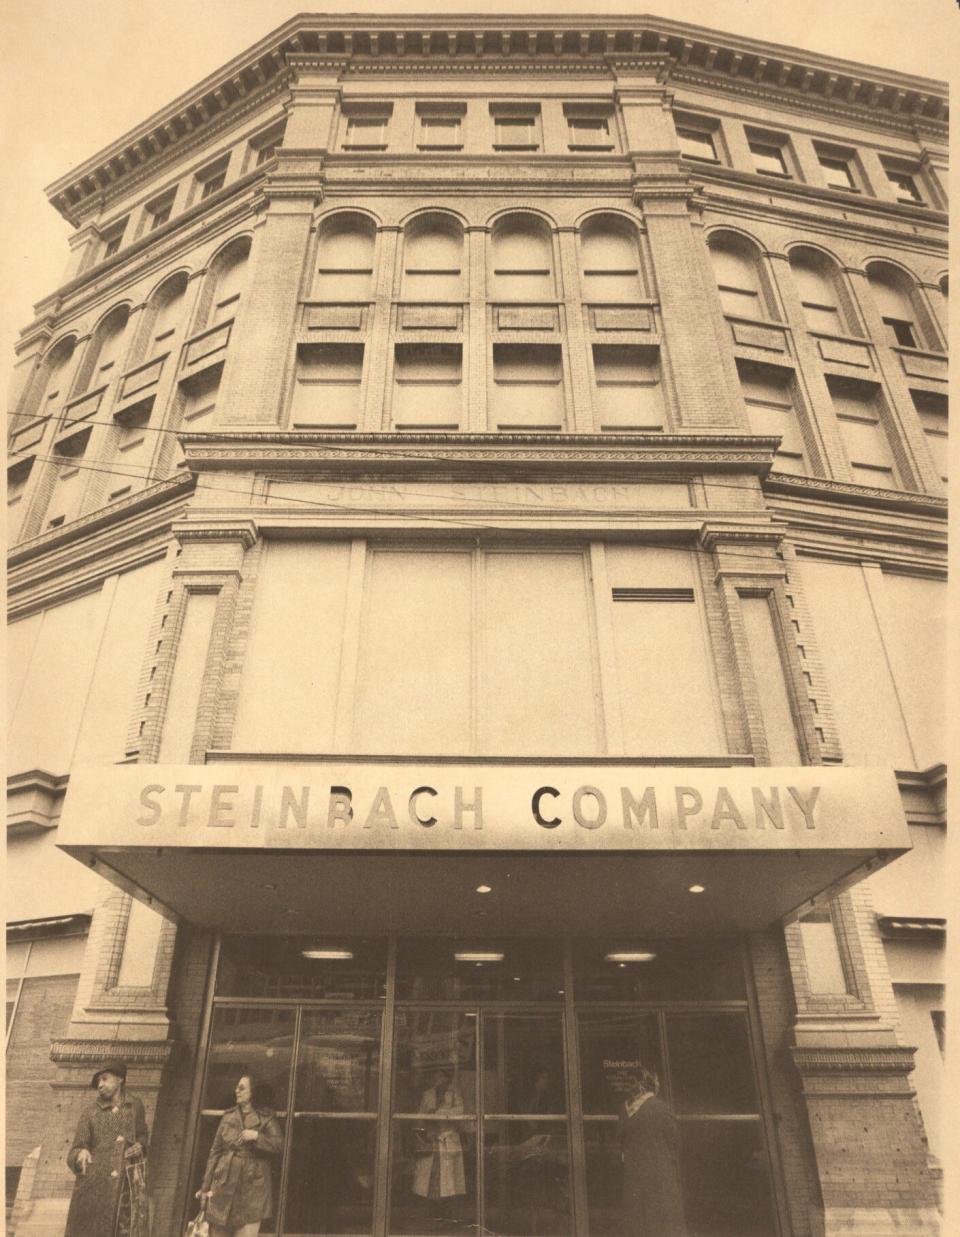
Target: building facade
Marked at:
476, 575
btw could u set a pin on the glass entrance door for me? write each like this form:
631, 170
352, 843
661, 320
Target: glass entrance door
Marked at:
480, 1137
428, 1088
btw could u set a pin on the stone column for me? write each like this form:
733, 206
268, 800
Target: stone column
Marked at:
577, 362
255, 376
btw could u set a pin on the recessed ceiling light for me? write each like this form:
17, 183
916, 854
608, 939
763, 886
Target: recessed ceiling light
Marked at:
697, 889
623, 956
478, 956
328, 955
484, 889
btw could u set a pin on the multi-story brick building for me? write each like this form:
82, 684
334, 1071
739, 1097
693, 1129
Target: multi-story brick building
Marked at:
477, 558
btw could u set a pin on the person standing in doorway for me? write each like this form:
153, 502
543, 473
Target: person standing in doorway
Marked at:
650, 1143
108, 1156
237, 1190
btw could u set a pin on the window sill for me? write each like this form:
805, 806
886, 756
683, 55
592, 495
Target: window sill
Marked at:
518, 146
588, 146
428, 146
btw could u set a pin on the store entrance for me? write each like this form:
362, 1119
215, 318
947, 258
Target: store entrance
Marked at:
429, 1087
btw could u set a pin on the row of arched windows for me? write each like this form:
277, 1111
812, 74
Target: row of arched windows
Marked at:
110, 343
828, 306
521, 259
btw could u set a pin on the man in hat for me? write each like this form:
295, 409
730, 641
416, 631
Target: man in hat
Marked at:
107, 1156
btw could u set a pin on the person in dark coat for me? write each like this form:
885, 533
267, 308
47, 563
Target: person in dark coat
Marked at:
108, 1157
237, 1190
650, 1142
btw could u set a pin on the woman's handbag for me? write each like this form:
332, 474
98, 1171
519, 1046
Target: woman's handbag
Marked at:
198, 1227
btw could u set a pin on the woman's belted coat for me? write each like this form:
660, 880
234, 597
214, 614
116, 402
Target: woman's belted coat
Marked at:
239, 1175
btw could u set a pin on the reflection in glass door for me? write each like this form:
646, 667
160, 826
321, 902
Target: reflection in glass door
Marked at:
440, 1096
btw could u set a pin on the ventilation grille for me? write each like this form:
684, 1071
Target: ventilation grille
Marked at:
653, 594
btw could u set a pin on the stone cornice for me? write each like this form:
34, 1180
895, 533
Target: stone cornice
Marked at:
853, 1060
852, 111
89, 1053
513, 44
802, 204
850, 494
78, 556
323, 454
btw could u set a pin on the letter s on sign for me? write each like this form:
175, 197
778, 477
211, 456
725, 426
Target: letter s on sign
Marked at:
148, 800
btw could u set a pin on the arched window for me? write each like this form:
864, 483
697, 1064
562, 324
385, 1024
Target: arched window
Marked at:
104, 350
50, 386
737, 273
433, 259
816, 282
522, 259
893, 297
345, 259
165, 308
229, 272
609, 260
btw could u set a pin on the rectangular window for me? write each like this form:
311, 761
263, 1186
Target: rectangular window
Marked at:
768, 157
768, 395
428, 391
904, 183
159, 212
589, 132
366, 131
113, 238
516, 130
857, 405
629, 395
439, 130
933, 410
837, 172
209, 185
327, 386
527, 387
697, 144
900, 332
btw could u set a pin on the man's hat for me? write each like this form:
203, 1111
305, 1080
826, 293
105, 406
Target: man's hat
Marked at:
110, 1067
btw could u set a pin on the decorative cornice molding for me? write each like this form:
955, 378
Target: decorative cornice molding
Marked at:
89, 1053
322, 453
198, 530
848, 1060
503, 45
115, 512
849, 494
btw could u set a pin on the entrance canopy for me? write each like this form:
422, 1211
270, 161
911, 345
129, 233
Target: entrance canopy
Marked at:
369, 846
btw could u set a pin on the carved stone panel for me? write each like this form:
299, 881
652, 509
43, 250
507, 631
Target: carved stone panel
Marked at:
621, 319
526, 318
752, 335
847, 353
431, 317
917, 365
333, 317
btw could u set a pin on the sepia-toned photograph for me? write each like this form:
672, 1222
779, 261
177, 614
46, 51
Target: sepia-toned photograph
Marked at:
476, 552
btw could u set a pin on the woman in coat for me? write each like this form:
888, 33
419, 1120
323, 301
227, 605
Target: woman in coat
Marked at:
237, 1190
438, 1168
650, 1142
